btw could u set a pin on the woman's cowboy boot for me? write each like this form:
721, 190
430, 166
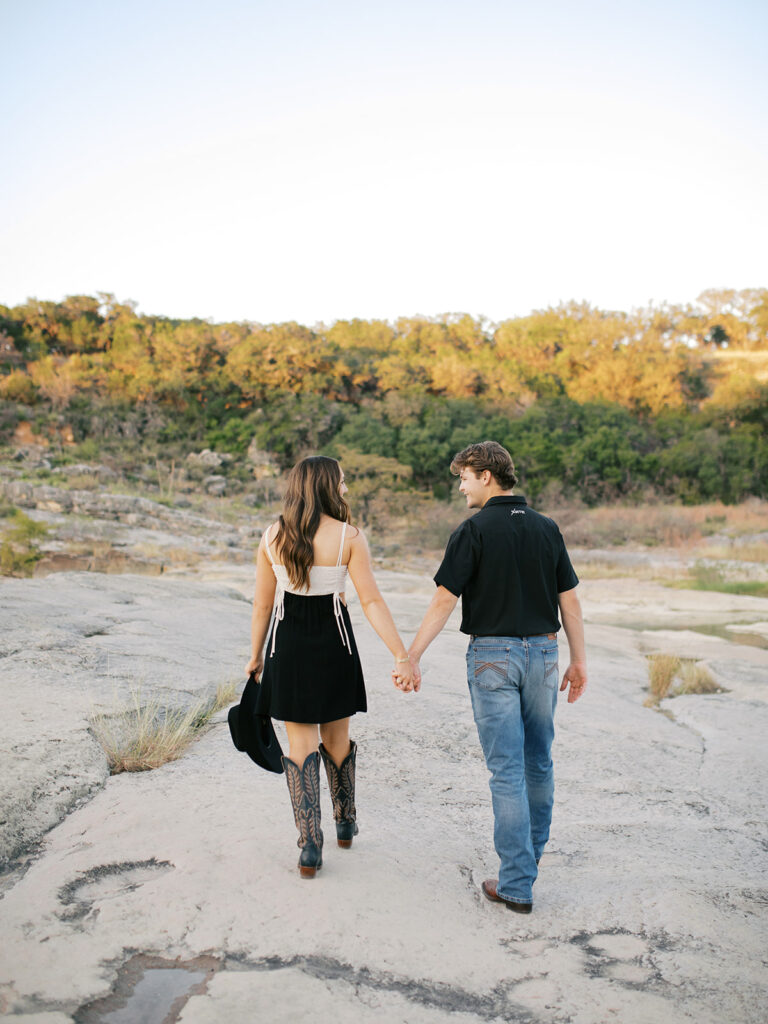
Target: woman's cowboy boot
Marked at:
341, 781
304, 789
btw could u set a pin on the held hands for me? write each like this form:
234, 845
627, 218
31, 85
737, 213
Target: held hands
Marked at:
406, 675
576, 675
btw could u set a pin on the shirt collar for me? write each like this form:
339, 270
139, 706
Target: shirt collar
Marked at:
506, 499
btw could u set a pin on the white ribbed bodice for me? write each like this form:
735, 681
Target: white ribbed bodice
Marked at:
323, 580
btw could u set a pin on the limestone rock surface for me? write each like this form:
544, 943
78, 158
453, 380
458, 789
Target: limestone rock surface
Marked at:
650, 903
73, 644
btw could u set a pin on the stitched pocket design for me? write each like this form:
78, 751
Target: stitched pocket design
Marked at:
550, 664
490, 667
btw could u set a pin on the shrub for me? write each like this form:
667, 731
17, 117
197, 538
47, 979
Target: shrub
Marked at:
87, 450
18, 551
18, 387
233, 435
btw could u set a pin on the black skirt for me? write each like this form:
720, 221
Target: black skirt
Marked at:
312, 677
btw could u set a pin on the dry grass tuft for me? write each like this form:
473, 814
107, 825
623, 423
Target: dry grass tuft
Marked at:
662, 669
659, 524
226, 694
756, 551
148, 735
695, 678
83, 482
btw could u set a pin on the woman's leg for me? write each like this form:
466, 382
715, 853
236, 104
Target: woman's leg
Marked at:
302, 773
335, 737
339, 755
302, 740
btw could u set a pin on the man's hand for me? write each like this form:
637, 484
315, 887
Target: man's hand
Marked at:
416, 674
576, 675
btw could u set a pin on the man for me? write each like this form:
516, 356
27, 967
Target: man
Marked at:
510, 567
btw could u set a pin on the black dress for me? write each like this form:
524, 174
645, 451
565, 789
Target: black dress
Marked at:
312, 671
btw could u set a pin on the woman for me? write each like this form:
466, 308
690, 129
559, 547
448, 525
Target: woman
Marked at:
310, 671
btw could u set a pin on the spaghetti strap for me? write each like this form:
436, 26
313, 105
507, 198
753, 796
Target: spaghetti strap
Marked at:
341, 545
269, 549
337, 597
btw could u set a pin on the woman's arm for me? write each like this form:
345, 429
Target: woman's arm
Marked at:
263, 599
375, 607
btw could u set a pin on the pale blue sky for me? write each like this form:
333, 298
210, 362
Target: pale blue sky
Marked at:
316, 161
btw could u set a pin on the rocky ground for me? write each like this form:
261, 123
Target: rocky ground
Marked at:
174, 895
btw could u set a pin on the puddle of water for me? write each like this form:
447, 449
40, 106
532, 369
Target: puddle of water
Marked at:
149, 990
736, 637
154, 995
750, 639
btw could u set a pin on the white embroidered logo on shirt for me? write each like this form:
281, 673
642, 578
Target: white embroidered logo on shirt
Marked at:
517, 511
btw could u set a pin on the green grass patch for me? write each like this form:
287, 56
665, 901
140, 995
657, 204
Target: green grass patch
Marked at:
706, 577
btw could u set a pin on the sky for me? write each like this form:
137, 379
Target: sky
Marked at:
307, 161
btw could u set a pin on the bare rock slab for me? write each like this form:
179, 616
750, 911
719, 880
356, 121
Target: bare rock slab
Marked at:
649, 906
77, 643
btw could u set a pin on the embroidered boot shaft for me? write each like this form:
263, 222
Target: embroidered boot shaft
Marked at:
304, 790
341, 782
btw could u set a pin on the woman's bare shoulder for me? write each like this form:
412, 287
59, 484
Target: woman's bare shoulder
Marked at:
356, 538
270, 533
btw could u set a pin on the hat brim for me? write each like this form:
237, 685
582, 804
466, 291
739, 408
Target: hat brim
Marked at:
254, 734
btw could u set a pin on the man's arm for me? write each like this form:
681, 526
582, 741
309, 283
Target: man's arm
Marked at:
573, 624
435, 618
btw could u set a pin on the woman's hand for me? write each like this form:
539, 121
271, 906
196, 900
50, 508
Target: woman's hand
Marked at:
406, 676
255, 666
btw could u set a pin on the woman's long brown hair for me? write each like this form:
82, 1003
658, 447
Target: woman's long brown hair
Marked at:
313, 489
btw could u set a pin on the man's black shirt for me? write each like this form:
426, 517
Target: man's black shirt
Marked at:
508, 563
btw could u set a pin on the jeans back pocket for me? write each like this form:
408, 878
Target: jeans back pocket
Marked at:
488, 666
550, 657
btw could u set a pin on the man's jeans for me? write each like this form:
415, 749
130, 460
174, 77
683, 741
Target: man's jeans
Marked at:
513, 684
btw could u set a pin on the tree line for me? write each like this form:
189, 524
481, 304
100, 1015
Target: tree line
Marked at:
672, 399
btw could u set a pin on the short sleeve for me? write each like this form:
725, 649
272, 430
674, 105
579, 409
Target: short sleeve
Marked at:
460, 560
566, 577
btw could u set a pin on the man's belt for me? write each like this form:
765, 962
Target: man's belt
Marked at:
532, 636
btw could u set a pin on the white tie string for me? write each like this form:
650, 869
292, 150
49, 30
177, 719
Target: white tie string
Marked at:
340, 621
278, 614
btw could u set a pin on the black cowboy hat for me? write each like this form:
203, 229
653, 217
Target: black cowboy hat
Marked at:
254, 734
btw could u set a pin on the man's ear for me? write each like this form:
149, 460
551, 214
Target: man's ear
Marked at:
487, 475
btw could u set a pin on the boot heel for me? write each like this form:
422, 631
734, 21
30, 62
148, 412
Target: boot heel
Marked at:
345, 844
307, 872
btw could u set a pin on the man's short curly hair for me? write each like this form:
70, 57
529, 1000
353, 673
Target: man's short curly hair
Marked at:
488, 455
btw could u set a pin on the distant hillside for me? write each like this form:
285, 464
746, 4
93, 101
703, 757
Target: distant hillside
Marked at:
674, 399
